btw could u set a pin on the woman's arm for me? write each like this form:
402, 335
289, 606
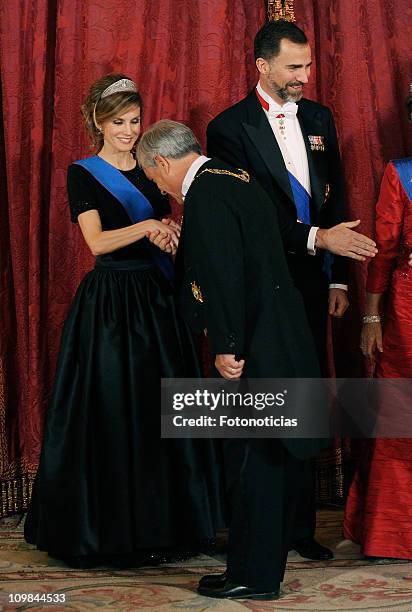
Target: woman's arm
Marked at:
371, 335
101, 242
388, 231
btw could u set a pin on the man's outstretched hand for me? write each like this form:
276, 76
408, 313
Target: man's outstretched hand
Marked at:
343, 240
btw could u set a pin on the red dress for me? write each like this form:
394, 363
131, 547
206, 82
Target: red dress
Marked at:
378, 512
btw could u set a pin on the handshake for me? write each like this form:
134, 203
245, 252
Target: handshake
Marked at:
164, 234
340, 239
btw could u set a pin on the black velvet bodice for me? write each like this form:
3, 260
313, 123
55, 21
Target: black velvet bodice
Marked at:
86, 193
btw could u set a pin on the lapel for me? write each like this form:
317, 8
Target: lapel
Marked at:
260, 133
311, 124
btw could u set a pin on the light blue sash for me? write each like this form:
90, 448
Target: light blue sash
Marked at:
404, 169
136, 205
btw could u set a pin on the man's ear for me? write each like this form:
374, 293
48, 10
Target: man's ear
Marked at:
162, 163
262, 65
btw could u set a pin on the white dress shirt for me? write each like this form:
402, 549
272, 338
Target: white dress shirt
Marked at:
289, 137
191, 173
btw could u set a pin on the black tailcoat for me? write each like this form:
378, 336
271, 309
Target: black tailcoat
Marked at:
234, 281
242, 136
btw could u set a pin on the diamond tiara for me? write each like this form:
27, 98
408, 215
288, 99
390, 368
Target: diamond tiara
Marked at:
122, 85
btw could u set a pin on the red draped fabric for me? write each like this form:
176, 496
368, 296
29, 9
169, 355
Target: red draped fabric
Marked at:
362, 55
191, 59
362, 70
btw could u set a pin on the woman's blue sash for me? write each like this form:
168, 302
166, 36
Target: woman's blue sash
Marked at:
136, 205
404, 169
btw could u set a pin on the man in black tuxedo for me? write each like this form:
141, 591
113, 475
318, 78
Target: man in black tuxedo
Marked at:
289, 144
235, 283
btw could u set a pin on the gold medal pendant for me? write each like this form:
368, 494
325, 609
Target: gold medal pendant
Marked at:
197, 294
281, 125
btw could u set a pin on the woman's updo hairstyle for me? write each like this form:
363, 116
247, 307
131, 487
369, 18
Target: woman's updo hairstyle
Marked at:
96, 109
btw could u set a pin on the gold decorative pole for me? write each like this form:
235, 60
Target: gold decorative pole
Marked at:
281, 9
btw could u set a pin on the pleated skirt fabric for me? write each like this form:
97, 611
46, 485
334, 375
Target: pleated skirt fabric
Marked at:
107, 483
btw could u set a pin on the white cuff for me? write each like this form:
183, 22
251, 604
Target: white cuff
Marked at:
311, 241
338, 286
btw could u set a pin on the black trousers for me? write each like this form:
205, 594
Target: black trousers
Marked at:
263, 480
314, 287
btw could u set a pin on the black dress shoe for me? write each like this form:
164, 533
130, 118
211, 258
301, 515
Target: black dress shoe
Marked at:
236, 591
310, 549
213, 581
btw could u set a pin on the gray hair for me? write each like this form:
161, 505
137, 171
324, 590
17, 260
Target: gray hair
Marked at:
167, 138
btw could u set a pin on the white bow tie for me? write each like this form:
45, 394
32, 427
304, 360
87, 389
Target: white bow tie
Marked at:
289, 110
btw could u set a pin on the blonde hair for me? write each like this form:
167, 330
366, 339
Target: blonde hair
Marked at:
96, 110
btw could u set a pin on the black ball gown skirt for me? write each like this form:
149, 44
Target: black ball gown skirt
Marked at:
107, 483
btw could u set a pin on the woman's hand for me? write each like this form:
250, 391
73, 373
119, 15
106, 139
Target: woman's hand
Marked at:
371, 339
163, 227
164, 234
163, 242
172, 224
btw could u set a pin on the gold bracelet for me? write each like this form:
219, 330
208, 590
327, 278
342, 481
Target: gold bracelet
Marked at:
371, 319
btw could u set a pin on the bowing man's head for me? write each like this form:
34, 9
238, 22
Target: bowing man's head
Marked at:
166, 151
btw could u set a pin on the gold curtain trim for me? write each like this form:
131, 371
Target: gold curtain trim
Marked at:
330, 476
3, 439
10, 469
15, 495
281, 9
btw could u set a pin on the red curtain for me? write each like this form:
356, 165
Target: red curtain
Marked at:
191, 59
362, 71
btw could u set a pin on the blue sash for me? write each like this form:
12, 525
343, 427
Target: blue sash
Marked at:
136, 205
301, 198
404, 169
302, 203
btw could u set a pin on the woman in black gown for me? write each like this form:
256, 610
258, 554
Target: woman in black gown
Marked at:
108, 488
